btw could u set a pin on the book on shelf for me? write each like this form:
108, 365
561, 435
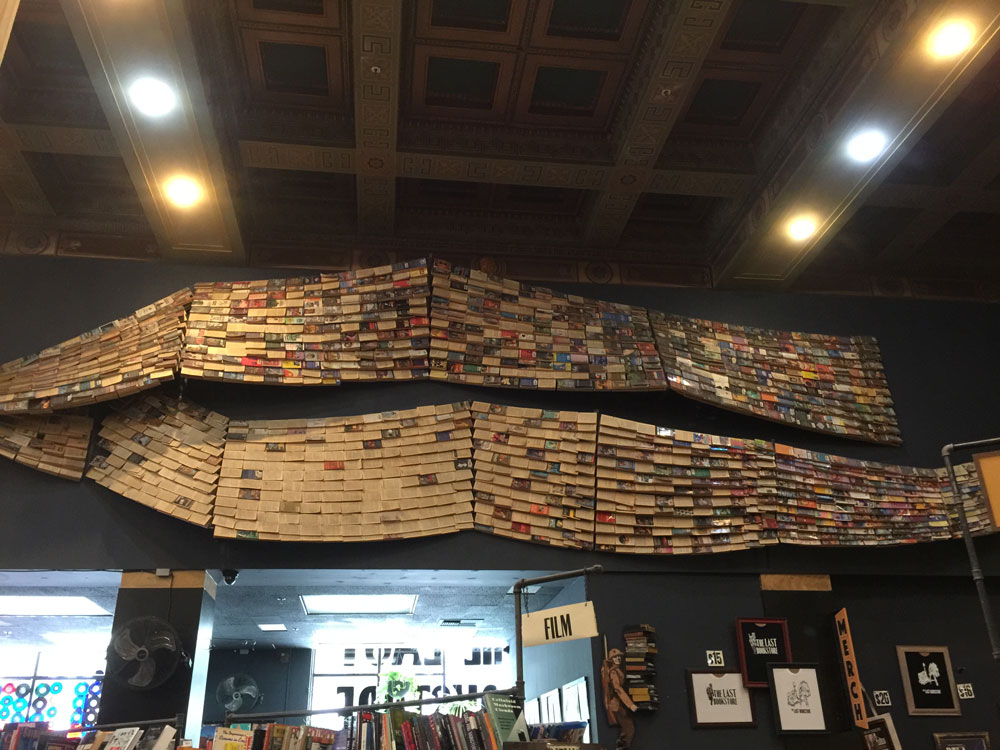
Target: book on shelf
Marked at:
158, 738
125, 738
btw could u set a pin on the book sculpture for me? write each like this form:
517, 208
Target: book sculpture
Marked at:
56, 444
486, 330
673, 491
111, 361
831, 500
369, 324
163, 453
977, 509
377, 476
534, 474
833, 384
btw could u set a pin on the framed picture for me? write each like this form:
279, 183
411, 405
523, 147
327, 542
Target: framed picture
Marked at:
795, 694
533, 711
551, 707
576, 704
719, 699
761, 641
928, 682
881, 733
961, 741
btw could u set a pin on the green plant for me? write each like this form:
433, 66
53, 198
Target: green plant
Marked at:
395, 686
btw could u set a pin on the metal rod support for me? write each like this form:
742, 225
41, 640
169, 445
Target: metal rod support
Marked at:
243, 718
518, 635
174, 721
970, 547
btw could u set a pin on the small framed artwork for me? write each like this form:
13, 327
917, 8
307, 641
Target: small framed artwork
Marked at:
575, 703
961, 741
551, 708
760, 642
881, 733
719, 699
795, 694
533, 712
928, 682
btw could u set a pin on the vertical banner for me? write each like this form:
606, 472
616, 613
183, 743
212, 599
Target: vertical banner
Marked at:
851, 676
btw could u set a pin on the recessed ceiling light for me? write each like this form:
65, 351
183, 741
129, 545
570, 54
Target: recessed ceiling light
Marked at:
801, 228
152, 97
359, 604
183, 192
51, 606
272, 628
867, 145
951, 38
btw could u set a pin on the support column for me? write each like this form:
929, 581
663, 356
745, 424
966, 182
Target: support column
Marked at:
185, 599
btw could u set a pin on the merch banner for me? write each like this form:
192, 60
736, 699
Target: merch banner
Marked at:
845, 647
569, 623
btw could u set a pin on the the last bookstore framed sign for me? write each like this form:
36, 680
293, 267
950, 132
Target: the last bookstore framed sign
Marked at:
761, 641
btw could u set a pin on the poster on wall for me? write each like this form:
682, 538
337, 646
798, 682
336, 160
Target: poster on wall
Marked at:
928, 682
881, 733
961, 741
760, 642
795, 694
719, 699
576, 704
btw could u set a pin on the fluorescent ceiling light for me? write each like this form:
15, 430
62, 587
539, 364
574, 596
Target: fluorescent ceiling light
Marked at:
359, 604
272, 628
152, 97
867, 145
41, 606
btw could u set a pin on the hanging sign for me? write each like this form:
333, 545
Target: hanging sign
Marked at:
559, 624
846, 650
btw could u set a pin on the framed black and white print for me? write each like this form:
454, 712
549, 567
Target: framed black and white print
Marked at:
881, 734
961, 741
795, 694
928, 682
761, 641
719, 699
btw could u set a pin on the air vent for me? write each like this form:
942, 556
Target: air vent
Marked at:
462, 623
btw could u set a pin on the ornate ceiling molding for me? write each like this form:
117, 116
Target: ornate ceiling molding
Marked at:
16, 178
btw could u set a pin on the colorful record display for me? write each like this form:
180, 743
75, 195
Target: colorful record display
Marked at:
661, 490
831, 500
378, 476
833, 384
112, 361
977, 509
486, 330
55, 444
535, 474
163, 453
369, 324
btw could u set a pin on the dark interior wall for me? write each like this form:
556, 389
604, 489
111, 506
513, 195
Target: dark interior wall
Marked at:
283, 676
551, 666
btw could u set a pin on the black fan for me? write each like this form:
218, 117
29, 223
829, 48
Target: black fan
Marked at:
238, 692
144, 653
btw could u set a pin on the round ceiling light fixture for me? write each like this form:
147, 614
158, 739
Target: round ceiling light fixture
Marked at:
867, 145
152, 97
801, 228
182, 191
950, 39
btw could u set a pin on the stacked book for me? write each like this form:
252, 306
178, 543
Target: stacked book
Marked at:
112, 361
163, 453
673, 491
640, 666
369, 324
534, 474
832, 500
55, 444
977, 509
832, 384
486, 330
377, 476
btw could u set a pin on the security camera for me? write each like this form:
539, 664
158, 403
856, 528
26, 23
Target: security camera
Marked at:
229, 575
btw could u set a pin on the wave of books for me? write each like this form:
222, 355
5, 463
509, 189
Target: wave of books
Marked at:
563, 478
414, 320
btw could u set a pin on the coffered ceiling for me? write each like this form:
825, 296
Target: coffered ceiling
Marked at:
616, 141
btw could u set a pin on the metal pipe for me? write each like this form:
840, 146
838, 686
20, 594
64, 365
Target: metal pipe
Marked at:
518, 636
175, 721
243, 718
970, 547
